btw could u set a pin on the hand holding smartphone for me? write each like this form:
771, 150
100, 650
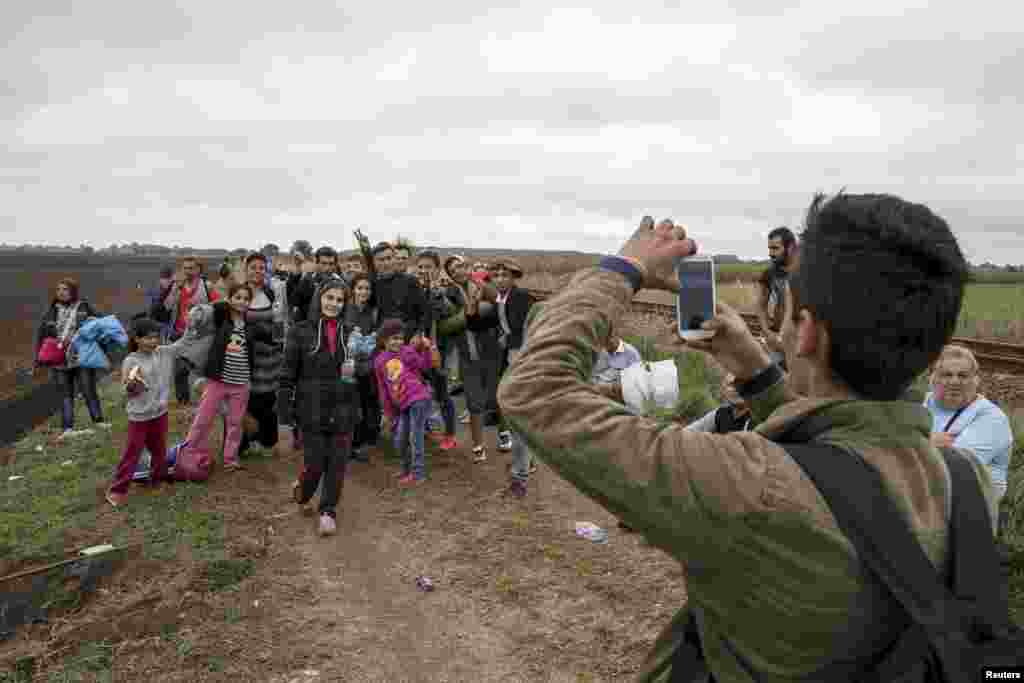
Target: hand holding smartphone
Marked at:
697, 300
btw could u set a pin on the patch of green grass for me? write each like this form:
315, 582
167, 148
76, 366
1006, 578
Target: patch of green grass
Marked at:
92, 662
222, 574
993, 311
997, 277
53, 497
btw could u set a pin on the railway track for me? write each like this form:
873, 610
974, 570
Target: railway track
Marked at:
993, 356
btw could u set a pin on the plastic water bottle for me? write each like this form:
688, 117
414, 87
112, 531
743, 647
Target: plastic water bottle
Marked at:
354, 342
348, 371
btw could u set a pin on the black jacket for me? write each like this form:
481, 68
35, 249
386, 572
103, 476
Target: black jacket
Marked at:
367, 320
400, 296
485, 328
516, 307
312, 393
223, 326
48, 323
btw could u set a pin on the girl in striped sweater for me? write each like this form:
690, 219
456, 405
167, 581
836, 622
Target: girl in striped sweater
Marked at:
229, 370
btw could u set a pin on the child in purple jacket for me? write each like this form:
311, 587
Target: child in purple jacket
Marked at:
403, 394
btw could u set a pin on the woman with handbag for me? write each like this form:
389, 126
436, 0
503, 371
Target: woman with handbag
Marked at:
57, 328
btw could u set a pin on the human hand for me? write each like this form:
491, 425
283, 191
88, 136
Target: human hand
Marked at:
773, 341
942, 439
733, 345
286, 436
656, 249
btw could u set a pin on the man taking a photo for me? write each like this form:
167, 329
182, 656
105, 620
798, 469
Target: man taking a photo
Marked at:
775, 591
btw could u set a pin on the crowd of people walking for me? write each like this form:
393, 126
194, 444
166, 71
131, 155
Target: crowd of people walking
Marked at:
326, 354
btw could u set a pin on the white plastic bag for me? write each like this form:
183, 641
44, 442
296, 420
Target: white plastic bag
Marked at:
645, 382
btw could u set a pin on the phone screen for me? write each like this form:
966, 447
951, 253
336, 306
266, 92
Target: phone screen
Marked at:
696, 303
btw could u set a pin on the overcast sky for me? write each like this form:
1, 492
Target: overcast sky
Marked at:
224, 124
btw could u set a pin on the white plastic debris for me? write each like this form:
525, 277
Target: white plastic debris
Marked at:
591, 532
96, 549
15, 477
650, 382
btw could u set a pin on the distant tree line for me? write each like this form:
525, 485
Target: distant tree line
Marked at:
305, 248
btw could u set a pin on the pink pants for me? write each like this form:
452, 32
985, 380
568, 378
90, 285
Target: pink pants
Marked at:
237, 396
153, 435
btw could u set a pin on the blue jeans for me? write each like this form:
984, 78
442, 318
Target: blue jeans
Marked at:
71, 380
439, 382
409, 434
521, 458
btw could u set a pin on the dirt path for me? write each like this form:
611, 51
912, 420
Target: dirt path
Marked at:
518, 597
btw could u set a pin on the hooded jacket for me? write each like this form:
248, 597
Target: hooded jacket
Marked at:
312, 394
781, 590
399, 295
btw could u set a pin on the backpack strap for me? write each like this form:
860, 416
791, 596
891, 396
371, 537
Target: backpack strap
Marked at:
869, 518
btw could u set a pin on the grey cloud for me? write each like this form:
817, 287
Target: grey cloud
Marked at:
913, 54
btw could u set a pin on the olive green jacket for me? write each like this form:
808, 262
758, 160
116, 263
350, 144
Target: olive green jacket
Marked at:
780, 587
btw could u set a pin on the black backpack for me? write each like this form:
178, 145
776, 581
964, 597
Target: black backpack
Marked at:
957, 630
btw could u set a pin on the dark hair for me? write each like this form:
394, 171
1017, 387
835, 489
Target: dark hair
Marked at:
785, 234
326, 251
166, 271
255, 256
359, 277
431, 255
886, 277
381, 246
235, 286
225, 270
142, 326
72, 285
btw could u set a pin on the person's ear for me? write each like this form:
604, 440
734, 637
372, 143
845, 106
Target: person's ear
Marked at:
807, 334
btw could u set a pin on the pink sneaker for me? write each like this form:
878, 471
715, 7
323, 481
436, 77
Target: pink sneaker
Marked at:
448, 443
327, 525
406, 481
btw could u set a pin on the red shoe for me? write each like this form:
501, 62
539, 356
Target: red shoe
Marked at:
448, 443
407, 481
435, 436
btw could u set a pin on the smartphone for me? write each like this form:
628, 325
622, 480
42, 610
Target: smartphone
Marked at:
696, 302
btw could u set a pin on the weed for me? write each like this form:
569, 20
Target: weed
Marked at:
520, 521
221, 574
233, 614
216, 664
505, 586
93, 660
584, 568
552, 553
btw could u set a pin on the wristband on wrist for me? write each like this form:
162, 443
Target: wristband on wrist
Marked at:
760, 382
626, 267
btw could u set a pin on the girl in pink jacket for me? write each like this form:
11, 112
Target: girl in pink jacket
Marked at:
404, 395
